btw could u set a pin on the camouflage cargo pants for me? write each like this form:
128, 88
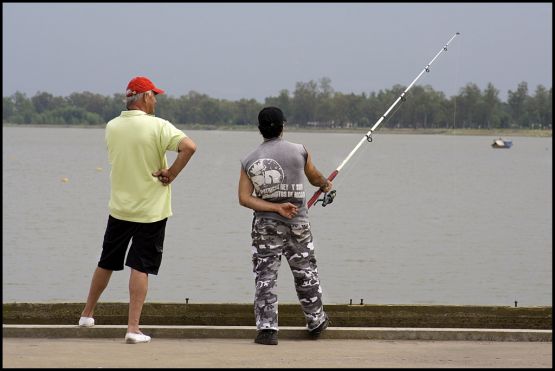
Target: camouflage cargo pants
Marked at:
271, 239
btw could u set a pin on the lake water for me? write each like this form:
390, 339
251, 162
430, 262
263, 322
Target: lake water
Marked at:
418, 219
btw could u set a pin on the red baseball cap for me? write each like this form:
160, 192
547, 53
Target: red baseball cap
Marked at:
140, 84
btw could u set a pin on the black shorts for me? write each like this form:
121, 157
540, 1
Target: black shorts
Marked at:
145, 253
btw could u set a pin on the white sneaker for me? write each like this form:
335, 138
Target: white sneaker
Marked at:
133, 338
86, 322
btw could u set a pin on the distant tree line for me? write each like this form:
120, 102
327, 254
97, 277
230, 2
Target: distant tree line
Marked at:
312, 103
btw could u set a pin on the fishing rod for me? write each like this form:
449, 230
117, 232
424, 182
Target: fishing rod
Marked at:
328, 197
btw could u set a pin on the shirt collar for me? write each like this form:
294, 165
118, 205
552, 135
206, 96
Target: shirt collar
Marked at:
133, 112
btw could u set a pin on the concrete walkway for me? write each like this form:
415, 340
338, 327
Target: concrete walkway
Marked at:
45, 335
289, 353
285, 332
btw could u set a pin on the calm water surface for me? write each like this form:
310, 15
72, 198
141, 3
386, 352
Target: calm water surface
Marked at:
418, 219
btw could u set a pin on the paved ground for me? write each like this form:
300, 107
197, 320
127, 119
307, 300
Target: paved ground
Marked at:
234, 353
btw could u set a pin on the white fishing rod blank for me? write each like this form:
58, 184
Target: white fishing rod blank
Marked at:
328, 198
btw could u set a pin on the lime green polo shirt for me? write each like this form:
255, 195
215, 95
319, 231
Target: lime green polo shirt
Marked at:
137, 144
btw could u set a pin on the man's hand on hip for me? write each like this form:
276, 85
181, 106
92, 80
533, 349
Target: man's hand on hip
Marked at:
164, 175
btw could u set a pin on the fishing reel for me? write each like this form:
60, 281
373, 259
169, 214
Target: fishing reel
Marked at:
327, 199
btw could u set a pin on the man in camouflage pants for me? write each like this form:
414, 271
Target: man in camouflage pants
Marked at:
275, 171
272, 239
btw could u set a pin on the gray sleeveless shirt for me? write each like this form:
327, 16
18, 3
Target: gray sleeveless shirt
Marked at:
276, 169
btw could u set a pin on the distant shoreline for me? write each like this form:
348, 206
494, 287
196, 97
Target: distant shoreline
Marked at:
361, 130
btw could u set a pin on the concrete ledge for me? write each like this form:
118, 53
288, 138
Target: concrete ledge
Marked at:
341, 315
287, 332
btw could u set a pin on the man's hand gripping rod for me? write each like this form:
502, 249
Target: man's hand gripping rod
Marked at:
328, 197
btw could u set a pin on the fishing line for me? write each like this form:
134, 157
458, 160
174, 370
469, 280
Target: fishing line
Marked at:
456, 83
396, 109
349, 169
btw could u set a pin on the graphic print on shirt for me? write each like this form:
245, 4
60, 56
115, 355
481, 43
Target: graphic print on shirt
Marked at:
268, 179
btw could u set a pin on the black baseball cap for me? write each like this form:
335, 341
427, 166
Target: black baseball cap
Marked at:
270, 116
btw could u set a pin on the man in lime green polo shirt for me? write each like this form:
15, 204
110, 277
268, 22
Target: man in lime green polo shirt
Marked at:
140, 198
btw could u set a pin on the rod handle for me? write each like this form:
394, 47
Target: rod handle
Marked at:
319, 192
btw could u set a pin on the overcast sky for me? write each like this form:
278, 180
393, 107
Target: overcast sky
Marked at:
254, 50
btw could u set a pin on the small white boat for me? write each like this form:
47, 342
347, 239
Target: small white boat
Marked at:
501, 143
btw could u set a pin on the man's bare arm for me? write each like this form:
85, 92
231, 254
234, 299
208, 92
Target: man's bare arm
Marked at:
185, 151
246, 199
